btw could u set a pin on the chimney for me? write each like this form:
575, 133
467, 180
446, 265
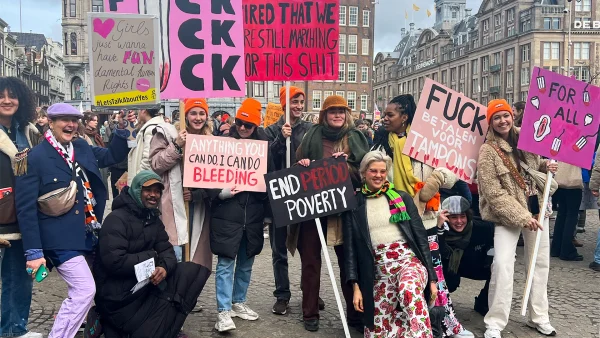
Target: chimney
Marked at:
403, 32
468, 12
412, 26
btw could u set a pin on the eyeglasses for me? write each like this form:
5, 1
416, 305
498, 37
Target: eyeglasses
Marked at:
246, 125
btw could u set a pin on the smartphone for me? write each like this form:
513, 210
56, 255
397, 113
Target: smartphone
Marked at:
41, 274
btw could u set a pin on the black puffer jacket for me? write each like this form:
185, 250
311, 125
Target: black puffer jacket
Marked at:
359, 259
238, 216
277, 148
129, 235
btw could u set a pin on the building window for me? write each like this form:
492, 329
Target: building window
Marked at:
316, 100
510, 98
327, 93
454, 14
461, 72
352, 72
486, 25
66, 43
342, 15
510, 57
512, 31
352, 100
497, 20
581, 50
474, 67
363, 102
510, 79
76, 89
72, 8
484, 83
525, 25
365, 46
277, 87
525, 53
497, 59
364, 74
353, 17
259, 89
524, 96
485, 63
352, 44
582, 73
97, 6
525, 76
475, 85
551, 23
366, 18
498, 36
444, 77
340, 93
342, 73
496, 80
453, 74
510, 15
583, 6
73, 43
342, 41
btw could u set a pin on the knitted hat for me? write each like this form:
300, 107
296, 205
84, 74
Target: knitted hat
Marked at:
144, 178
250, 111
294, 91
498, 105
334, 101
456, 205
193, 103
63, 109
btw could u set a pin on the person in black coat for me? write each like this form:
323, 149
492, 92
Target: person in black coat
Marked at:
131, 234
236, 230
386, 248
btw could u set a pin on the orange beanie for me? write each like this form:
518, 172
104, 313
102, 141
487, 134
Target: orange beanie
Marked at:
498, 105
250, 112
293, 92
193, 103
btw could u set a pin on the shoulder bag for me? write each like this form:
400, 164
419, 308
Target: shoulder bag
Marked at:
58, 202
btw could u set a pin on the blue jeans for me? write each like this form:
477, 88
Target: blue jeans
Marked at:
16, 292
229, 287
178, 253
597, 252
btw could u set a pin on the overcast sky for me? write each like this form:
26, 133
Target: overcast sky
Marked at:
43, 16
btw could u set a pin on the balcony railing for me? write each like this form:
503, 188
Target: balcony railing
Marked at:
495, 90
495, 68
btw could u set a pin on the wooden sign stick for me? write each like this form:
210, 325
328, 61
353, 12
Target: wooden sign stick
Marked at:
288, 141
186, 247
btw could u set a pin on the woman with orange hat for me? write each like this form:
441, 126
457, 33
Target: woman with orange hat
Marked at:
508, 197
334, 135
166, 153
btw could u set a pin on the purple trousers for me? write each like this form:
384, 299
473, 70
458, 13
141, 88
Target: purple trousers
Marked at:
81, 291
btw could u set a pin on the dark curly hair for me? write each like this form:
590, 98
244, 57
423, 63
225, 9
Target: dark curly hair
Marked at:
26, 111
406, 102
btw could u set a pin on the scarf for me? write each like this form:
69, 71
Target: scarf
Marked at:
68, 154
312, 144
397, 206
93, 134
456, 243
404, 177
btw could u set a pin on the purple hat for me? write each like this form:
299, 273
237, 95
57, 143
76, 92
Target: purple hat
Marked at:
63, 109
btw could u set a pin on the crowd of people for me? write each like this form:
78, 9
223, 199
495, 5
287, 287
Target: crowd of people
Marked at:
417, 230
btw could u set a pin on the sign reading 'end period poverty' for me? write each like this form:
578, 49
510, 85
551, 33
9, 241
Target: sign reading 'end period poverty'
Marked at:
561, 118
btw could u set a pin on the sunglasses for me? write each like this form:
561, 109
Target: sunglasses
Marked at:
246, 125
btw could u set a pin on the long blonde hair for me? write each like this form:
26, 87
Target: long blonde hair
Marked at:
207, 129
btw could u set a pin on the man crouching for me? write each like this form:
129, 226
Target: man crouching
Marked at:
133, 233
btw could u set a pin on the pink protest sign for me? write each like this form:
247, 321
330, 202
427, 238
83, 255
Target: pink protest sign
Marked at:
221, 162
121, 6
447, 131
201, 55
559, 120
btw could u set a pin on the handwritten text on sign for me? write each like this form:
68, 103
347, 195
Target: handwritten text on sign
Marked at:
300, 194
201, 45
291, 40
561, 118
448, 130
220, 162
123, 59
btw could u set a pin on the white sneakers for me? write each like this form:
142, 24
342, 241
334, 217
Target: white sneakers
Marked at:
224, 321
546, 329
492, 333
32, 335
464, 334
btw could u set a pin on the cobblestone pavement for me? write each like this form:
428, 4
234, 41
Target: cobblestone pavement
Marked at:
574, 296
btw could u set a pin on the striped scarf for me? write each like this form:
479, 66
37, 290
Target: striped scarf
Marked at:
397, 206
68, 154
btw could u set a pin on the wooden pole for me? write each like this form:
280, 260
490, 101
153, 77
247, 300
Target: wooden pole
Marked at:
288, 141
186, 247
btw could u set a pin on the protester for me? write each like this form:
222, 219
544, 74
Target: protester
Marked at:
568, 196
131, 234
138, 158
236, 232
93, 138
335, 136
364, 128
277, 134
226, 123
216, 122
105, 132
466, 244
503, 192
595, 187
519, 110
175, 116
17, 134
392, 271
42, 120
63, 238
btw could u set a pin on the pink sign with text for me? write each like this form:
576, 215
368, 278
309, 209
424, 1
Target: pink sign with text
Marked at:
447, 131
560, 121
201, 55
213, 162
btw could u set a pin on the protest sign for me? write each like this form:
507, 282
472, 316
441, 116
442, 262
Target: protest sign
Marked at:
300, 194
200, 55
123, 61
291, 40
212, 162
560, 121
274, 113
447, 131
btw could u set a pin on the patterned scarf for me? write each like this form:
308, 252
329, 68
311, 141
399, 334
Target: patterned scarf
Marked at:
68, 154
397, 206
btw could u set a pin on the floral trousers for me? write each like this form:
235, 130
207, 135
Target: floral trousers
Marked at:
400, 306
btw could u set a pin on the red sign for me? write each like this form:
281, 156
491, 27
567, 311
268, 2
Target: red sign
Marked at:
291, 40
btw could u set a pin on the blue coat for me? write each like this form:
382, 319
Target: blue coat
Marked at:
48, 171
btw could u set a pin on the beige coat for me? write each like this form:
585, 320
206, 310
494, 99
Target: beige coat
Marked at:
139, 157
568, 176
595, 178
438, 179
501, 200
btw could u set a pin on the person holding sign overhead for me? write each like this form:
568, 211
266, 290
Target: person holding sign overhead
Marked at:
334, 135
386, 248
504, 193
236, 232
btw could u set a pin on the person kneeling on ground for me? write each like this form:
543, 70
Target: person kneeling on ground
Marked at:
466, 246
131, 234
